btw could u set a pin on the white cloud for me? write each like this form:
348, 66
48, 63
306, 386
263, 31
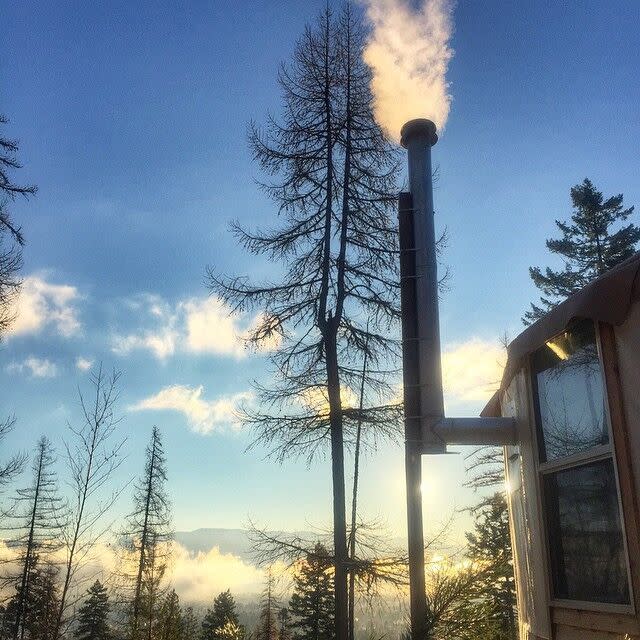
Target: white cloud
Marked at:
203, 416
198, 576
471, 370
84, 364
195, 325
43, 305
34, 367
211, 328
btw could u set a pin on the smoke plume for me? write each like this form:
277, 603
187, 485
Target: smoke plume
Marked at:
408, 52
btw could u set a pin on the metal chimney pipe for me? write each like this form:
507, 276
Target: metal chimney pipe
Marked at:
417, 137
423, 402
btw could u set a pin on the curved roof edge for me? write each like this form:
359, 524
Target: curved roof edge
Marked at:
606, 299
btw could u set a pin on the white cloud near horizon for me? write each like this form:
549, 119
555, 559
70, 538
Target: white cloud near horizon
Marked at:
42, 304
195, 325
196, 577
471, 370
199, 577
34, 367
203, 416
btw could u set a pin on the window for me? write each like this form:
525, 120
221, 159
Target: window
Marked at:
584, 526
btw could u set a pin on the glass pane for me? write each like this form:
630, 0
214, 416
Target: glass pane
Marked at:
585, 534
569, 393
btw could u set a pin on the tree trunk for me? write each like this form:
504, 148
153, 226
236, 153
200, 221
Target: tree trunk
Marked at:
354, 505
143, 544
24, 583
337, 473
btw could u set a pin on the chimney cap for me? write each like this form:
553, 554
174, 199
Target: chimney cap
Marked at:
418, 127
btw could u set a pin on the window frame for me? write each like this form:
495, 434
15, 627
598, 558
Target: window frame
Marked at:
595, 454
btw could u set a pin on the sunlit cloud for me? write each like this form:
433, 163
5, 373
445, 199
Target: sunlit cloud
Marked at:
211, 328
199, 577
42, 305
204, 416
196, 326
471, 370
34, 367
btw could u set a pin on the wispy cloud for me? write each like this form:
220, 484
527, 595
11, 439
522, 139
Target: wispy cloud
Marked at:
42, 305
203, 416
34, 367
195, 325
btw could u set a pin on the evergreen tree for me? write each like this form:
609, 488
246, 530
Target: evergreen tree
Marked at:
148, 542
35, 605
170, 621
489, 547
311, 604
93, 617
38, 513
267, 629
589, 246
189, 625
221, 620
284, 623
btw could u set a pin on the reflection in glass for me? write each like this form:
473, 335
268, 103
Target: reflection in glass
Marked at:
570, 394
586, 543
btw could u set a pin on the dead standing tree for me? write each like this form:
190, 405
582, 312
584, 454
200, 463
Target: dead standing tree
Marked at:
92, 459
11, 238
39, 515
334, 181
147, 540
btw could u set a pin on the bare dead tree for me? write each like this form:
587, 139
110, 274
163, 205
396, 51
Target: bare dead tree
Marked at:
92, 459
147, 540
39, 514
11, 467
333, 176
11, 238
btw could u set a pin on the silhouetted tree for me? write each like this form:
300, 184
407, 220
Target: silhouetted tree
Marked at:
170, 622
589, 246
38, 515
311, 605
267, 629
189, 625
93, 616
222, 619
35, 605
92, 459
489, 547
284, 624
148, 539
11, 467
453, 610
333, 178
11, 238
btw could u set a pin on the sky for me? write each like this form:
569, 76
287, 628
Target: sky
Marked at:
132, 121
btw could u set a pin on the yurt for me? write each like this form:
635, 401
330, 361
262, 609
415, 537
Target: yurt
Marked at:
572, 384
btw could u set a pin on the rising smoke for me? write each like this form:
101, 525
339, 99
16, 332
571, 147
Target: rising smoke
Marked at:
408, 52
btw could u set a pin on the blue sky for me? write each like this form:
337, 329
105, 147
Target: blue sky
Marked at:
132, 118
